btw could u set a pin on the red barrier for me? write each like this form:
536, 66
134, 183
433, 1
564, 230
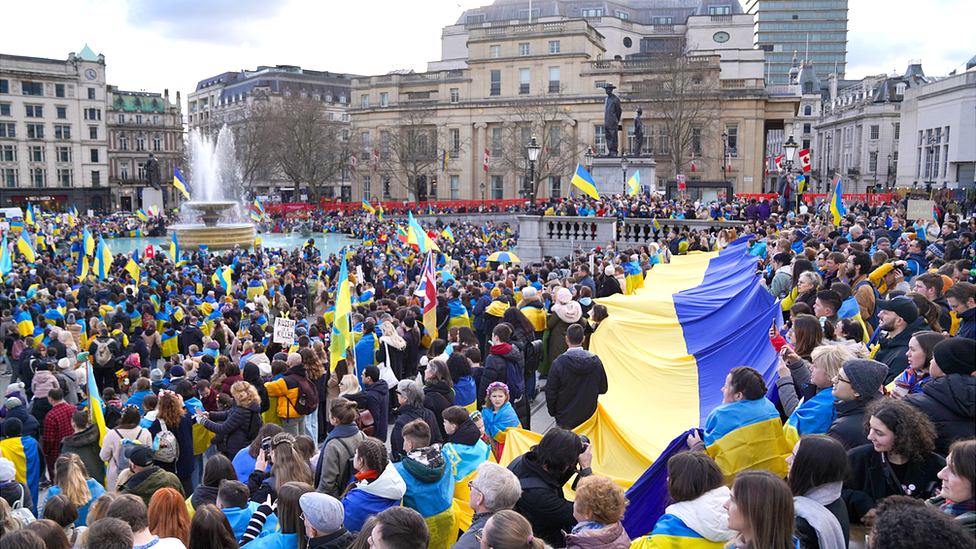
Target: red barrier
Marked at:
395, 208
870, 199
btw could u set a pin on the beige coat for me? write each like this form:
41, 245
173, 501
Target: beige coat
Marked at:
112, 449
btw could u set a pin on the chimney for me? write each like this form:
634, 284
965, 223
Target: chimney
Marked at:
833, 85
166, 94
177, 97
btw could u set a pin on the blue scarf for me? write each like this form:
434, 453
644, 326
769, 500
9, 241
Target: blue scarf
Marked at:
341, 431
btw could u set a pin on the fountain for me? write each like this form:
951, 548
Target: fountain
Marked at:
213, 174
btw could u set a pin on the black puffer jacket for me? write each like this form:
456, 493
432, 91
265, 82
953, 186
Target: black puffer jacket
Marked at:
10, 491
542, 501
437, 398
406, 414
496, 367
576, 380
31, 428
893, 349
238, 427
950, 402
848, 428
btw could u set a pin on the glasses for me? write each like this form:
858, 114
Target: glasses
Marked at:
847, 381
302, 517
471, 486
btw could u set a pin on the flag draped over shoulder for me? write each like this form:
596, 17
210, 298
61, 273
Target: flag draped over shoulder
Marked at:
6, 263
341, 337
23, 452
747, 434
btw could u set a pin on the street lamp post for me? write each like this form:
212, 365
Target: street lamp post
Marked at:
482, 187
588, 161
725, 152
888, 176
789, 150
624, 164
828, 139
533, 149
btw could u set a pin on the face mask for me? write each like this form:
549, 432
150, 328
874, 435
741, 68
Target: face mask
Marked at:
585, 301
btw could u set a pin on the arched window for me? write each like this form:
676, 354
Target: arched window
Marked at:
807, 110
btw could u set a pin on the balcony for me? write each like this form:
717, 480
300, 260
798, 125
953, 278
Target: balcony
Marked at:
646, 64
853, 171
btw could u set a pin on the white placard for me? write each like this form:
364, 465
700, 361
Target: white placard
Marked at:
284, 331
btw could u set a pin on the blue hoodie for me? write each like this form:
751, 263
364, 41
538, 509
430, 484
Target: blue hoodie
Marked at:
239, 517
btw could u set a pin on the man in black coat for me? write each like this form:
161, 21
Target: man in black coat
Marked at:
576, 380
377, 400
500, 353
949, 398
191, 335
899, 317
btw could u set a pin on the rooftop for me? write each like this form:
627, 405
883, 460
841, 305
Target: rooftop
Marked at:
638, 11
87, 54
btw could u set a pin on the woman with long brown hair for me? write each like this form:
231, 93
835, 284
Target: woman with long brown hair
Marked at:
173, 416
168, 515
339, 448
210, 529
761, 511
314, 370
111, 450
287, 466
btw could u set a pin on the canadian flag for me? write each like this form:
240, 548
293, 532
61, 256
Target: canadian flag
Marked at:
376, 159
487, 156
805, 159
779, 162
352, 162
693, 159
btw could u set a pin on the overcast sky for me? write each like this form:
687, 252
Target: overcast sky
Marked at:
155, 44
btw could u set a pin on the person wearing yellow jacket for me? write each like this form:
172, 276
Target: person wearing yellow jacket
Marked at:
285, 387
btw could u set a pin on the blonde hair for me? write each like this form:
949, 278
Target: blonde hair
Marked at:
349, 385
69, 476
7, 521
830, 358
244, 393
600, 498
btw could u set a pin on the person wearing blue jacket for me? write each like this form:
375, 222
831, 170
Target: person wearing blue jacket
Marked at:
233, 500
375, 487
429, 482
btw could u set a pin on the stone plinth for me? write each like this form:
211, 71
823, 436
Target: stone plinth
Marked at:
609, 177
152, 197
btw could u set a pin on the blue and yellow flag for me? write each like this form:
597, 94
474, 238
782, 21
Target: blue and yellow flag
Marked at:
418, 236
6, 263
634, 183
142, 215
103, 259
23, 452
25, 323
224, 276
174, 251
132, 267
584, 181
448, 233
259, 209
633, 276
82, 270
747, 434
29, 217
813, 417
96, 408
671, 532
341, 337
24, 246
368, 207
88, 243
657, 226
837, 208
180, 183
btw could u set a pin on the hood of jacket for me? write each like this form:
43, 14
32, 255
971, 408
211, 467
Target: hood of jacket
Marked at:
378, 386
296, 371
579, 361
956, 392
569, 313
425, 464
506, 351
251, 373
903, 337
611, 536
467, 434
87, 437
706, 515
388, 485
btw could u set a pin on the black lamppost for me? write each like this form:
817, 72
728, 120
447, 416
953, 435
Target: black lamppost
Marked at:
888, 176
533, 149
482, 187
828, 139
789, 150
624, 164
725, 152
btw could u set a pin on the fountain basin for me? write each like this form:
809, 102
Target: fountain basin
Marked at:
210, 211
221, 237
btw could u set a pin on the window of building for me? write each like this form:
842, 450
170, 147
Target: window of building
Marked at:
157, 143
553, 79
140, 143
331, 116
807, 111
63, 154
62, 132
806, 144
474, 19
455, 95
432, 194
454, 138
365, 100
64, 177
342, 98
696, 140
35, 131
121, 119
384, 145
364, 137
555, 186
495, 51
897, 131
366, 182
93, 132
497, 187
385, 99
455, 187
4, 86
900, 89
386, 187
35, 153
31, 88
10, 178
38, 177
496, 83
526, 14
34, 111
91, 93
94, 155
592, 12
873, 162
662, 20
554, 46
8, 130
62, 112
345, 117
621, 14
155, 120
663, 141
719, 10
96, 178
732, 134
93, 114
496, 141
599, 139
524, 49
123, 143
123, 170
554, 146
523, 81
141, 170
138, 119
526, 136
806, 127
8, 153
4, 109
875, 132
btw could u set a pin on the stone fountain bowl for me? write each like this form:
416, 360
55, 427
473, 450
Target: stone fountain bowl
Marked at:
212, 233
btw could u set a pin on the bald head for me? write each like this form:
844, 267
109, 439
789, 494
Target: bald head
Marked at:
294, 359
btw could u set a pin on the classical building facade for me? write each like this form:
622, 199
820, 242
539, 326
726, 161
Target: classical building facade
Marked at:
229, 99
140, 123
428, 134
53, 135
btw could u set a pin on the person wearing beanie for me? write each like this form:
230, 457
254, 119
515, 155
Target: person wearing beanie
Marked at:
606, 283
949, 398
25, 454
10, 488
13, 390
856, 385
899, 317
16, 408
323, 522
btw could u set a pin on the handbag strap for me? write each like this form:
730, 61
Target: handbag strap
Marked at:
23, 495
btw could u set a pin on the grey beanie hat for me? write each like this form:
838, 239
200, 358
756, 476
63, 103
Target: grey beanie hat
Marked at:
323, 511
866, 375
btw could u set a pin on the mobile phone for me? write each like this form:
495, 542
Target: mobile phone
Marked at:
266, 448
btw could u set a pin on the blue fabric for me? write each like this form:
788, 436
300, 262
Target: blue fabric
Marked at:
649, 495
238, 517
276, 540
716, 306
464, 459
365, 354
814, 416
96, 489
498, 422
244, 464
465, 391
359, 505
457, 309
735, 415
428, 499
137, 398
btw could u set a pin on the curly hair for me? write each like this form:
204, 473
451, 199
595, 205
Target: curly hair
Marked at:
914, 432
244, 394
313, 366
903, 521
171, 411
600, 498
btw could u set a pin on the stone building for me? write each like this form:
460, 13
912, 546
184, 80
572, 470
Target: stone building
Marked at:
53, 132
141, 123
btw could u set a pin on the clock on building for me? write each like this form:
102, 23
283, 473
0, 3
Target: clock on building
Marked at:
721, 37
90, 73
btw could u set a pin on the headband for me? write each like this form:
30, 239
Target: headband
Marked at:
497, 385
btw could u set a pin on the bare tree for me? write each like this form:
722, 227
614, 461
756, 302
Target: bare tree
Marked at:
545, 118
308, 148
682, 93
254, 144
413, 150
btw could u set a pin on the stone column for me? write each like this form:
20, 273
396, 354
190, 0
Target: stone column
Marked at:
478, 159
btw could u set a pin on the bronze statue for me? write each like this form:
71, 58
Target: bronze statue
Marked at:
611, 119
153, 174
638, 132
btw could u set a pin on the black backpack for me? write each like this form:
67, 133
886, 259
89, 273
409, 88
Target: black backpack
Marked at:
533, 355
307, 400
515, 379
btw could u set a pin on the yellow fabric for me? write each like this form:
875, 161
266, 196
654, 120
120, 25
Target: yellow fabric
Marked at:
443, 530
271, 416
877, 277
790, 299
674, 542
201, 439
458, 321
286, 396
757, 446
189, 507
463, 513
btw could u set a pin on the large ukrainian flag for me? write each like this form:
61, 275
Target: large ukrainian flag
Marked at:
22, 451
667, 350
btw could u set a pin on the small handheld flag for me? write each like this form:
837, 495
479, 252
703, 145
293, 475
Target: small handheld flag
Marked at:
368, 207
25, 247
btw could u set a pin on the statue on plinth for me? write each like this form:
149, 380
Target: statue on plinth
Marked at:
153, 174
611, 119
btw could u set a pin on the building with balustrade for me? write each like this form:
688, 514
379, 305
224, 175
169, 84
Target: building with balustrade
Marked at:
459, 130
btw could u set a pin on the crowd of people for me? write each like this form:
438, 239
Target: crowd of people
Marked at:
155, 405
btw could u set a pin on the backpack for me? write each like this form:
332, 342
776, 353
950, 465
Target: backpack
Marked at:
877, 296
17, 348
307, 400
365, 422
103, 354
113, 415
165, 445
515, 379
533, 355
348, 469
20, 512
126, 443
